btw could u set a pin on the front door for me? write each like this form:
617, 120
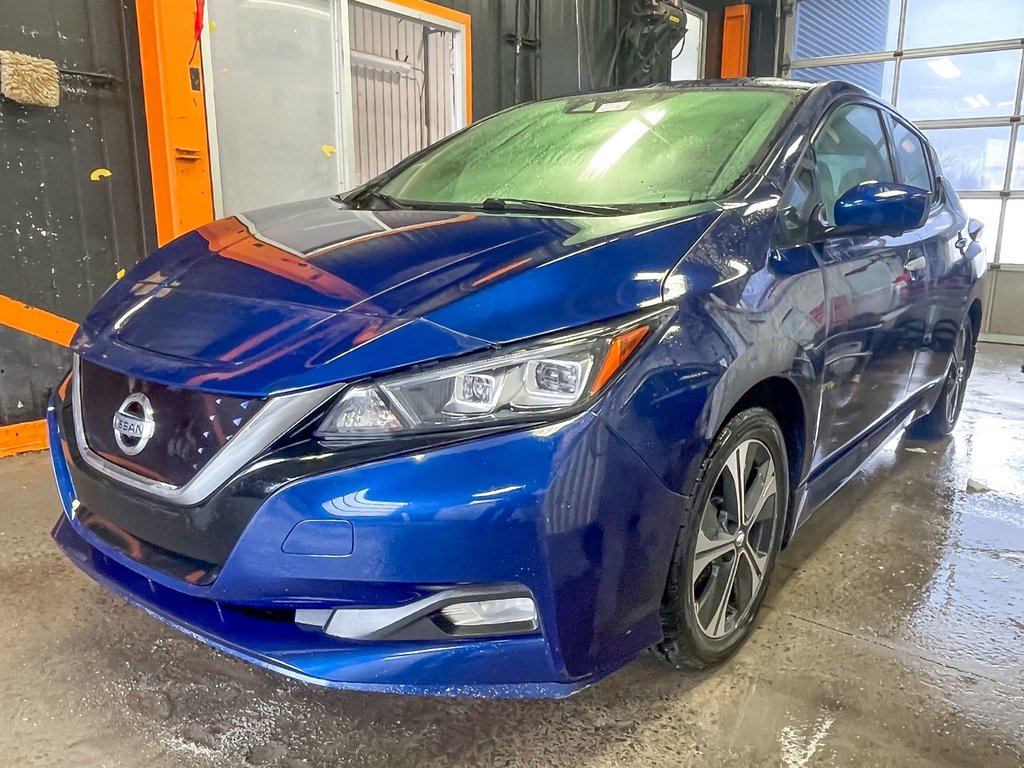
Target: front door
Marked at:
872, 336
942, 276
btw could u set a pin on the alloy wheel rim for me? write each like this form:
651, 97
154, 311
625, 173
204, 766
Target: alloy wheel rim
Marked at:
957, 373
734, 539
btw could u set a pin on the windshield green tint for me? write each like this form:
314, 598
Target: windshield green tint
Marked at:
624, 149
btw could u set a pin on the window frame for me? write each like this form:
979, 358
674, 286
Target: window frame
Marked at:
809, 153
926, 150
855, 102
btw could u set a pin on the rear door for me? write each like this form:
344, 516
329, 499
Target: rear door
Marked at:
872, 339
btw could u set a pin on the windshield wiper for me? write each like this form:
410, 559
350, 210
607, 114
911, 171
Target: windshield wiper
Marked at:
370, 193
490, 204
515, 204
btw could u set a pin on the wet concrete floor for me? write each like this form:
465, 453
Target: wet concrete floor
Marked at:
893, 636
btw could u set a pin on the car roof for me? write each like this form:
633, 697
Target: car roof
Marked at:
827, 89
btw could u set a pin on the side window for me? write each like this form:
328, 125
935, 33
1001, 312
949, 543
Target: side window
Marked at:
851, 148
911, 157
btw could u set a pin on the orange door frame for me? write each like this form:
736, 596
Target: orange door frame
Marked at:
172, 84
735, 40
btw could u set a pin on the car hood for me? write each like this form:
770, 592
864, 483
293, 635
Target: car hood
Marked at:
313, 293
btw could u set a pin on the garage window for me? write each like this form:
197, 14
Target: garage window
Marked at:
957, 75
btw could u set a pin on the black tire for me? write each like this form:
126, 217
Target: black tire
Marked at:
696, 633
941, 419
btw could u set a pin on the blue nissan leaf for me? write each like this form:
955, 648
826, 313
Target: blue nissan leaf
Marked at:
550, 392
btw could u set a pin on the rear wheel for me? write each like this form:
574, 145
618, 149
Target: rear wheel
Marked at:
939, 422
728, 543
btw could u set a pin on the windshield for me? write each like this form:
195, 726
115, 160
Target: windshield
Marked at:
637, 148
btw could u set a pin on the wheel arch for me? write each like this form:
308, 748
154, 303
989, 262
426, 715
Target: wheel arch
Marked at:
974, 313
782, 398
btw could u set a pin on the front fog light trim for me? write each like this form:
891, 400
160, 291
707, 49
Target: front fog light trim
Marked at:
488, 610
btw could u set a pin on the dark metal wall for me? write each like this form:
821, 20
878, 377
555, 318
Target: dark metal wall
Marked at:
63, 237
567, 57
570, 57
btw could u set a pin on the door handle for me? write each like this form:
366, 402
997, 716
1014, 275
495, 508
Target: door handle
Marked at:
916, 264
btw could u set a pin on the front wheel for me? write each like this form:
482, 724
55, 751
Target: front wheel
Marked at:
728, 542
939, 422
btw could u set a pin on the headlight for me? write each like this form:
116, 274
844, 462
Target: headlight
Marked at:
546, 379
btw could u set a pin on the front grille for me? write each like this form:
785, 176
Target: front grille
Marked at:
189, 427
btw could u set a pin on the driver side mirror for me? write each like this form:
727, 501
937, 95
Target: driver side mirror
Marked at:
880, 208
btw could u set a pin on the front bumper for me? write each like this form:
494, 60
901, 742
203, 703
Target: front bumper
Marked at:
568, 513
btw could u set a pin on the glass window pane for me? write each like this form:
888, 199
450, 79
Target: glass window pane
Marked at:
972, 158
866, 26
949, 22
648, 147
687, 57
987, 212
1017, 178
875, 77
850, 149
1011, 242
968, 85
910, 157
274, 91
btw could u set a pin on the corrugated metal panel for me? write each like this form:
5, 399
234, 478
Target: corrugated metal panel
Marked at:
402, 81
836, 27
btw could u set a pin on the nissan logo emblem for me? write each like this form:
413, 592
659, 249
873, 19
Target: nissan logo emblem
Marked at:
134, 424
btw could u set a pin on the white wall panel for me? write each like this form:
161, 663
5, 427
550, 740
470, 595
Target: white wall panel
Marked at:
275, 94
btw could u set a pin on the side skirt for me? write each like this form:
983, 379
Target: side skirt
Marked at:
827, 479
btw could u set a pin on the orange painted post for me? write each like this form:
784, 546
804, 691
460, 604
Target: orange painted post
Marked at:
735, 40
172, 84
469, 69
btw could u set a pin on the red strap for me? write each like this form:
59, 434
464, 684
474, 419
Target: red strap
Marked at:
200, 12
